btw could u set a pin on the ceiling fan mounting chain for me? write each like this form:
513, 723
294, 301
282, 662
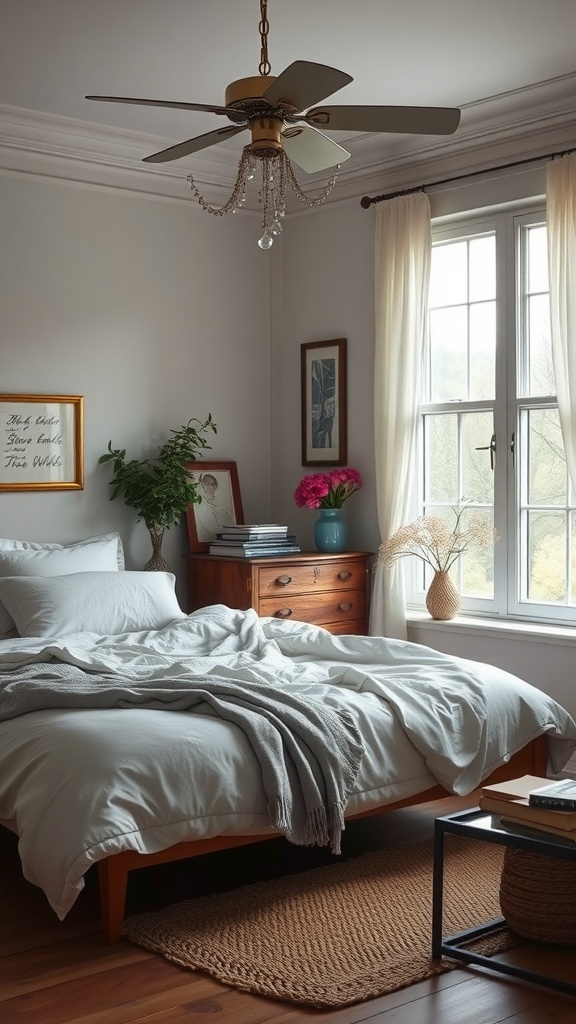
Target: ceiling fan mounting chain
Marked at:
264, 28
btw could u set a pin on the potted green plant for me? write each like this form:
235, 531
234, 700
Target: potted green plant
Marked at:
160, 488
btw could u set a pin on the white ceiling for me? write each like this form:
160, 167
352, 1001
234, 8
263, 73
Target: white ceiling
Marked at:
414, 52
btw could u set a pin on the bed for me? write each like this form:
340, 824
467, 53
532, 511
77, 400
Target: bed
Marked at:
133, 734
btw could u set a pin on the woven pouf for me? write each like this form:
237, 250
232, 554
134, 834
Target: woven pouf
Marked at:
538, 896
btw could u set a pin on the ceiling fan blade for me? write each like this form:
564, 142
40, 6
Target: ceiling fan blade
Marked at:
229, 111
193, 145
311, 149
303, 83
402, 120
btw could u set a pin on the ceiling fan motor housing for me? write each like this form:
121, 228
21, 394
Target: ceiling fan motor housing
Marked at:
266, 123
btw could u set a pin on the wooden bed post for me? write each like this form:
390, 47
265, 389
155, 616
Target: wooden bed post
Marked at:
113, 883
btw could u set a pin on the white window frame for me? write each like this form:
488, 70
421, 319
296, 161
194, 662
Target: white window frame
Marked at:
508, 408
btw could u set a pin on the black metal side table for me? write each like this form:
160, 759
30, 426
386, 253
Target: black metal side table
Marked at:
477, 824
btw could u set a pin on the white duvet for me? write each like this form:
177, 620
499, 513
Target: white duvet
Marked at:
78, 785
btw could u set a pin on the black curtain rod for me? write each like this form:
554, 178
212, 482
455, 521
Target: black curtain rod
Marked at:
368, 201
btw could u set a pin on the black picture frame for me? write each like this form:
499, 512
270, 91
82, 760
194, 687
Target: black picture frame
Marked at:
324, 390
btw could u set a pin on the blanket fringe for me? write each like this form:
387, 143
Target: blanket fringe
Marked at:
321, 828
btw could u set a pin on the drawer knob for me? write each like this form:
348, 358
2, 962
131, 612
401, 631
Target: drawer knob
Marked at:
345, 574
345, 606
283, 581
283, 613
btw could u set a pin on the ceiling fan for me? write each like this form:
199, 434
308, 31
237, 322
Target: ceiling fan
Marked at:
280, 112
284, 121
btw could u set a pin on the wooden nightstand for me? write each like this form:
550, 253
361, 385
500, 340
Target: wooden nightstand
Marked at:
326, 590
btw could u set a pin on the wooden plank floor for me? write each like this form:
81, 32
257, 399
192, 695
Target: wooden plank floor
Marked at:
55, 972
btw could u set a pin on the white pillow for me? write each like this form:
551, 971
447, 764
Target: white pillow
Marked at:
7, 544
106, 603
29, 558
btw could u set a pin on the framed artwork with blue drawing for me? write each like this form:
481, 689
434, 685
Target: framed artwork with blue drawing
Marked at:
324, 403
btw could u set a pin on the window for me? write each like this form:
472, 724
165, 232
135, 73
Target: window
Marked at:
489, 429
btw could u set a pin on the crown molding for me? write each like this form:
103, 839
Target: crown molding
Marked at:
45, 145
520, 125
517, 125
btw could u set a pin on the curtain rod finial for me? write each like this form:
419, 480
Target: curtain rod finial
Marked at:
365, 202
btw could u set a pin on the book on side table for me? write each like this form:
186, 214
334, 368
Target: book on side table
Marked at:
253, 531
560, 795
511, 800
254, 540
254, 550
512, 824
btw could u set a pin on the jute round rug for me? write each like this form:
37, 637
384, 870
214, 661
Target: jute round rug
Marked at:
333, 935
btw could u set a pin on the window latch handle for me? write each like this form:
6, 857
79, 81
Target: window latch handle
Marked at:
489, 448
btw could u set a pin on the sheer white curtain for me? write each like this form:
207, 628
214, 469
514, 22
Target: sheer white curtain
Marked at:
403, 245
561, 224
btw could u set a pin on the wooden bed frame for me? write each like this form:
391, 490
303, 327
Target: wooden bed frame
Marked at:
113, 871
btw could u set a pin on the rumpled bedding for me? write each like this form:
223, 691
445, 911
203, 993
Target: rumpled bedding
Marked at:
309, 753
80, 781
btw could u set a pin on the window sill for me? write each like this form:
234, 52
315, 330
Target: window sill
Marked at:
532, 632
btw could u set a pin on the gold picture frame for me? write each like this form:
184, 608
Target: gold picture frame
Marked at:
42, 442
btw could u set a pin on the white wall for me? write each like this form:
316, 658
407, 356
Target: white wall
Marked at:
144, 306
323, 289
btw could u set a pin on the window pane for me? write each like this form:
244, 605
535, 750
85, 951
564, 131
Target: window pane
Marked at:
537, 259
441, 458
448, 274
482, 350
477, 475
547, 556
448, 354
482, 268
547, 476
541, 378
476, 567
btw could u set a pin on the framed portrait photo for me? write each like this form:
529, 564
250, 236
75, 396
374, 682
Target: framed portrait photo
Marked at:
220, 504
324, 403
42, 442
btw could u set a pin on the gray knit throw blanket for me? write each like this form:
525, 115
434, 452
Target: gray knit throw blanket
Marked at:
309, 753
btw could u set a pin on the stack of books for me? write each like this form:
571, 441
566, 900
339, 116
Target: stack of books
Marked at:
254, 540
534, 804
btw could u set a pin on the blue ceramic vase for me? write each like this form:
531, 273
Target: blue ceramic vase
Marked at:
330, 532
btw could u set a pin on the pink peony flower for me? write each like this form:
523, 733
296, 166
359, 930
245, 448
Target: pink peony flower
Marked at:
327, 490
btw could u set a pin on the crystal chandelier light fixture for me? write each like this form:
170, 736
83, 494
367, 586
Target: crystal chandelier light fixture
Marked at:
276, 179
265, 153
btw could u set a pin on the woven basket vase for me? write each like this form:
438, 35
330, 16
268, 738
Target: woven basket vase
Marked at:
156, 563
442, 598
538, 896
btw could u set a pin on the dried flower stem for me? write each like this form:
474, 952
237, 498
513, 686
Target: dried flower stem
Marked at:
432, 540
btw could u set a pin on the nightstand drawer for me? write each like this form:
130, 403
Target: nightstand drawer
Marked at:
319, 609
311, 577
